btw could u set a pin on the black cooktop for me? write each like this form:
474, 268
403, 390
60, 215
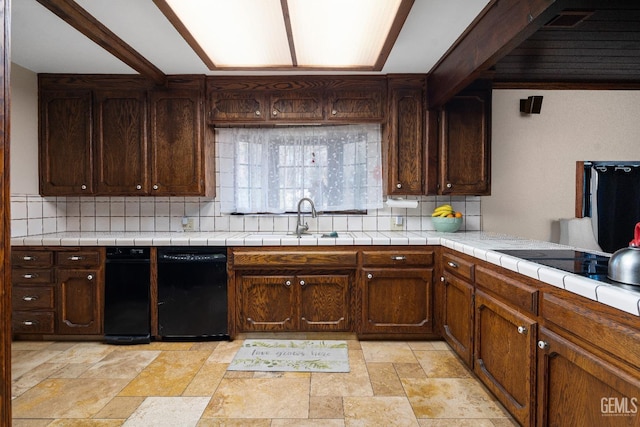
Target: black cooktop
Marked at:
585, 264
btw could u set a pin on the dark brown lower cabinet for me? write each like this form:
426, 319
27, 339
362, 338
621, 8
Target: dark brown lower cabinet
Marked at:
577, 388
505, 341
79, 302
397, 300
318, 302
457, 316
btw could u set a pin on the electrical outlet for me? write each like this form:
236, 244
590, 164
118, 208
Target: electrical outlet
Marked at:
397, 223
188, 224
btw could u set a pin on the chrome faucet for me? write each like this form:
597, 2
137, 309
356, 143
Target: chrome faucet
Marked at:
300, 227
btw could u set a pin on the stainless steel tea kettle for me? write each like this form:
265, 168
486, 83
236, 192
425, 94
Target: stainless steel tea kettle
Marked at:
624, 265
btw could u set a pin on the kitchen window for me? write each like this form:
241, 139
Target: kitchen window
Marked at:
268, 170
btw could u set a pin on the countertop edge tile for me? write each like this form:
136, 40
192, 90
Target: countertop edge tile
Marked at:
581, 286
621, 299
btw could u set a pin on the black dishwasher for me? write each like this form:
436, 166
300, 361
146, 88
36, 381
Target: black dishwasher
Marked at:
192, 293
126, 295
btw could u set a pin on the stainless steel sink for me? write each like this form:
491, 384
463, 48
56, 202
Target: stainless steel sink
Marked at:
275, 236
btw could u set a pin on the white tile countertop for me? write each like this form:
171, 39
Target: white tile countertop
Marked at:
477, 244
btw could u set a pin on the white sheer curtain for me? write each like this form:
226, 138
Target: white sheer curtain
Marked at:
268, 170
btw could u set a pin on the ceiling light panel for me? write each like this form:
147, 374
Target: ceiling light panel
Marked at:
338, 33
237, 33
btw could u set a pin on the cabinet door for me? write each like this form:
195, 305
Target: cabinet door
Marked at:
361, 105
79, 302
464, 145
406, 139
505, 352
457, 316
177, 146
324, 302
397, 300
65, 143
237, 106
121, 142
296, 106
577, 388
267, 303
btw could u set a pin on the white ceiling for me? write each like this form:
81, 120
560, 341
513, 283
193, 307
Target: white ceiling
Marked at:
43, 43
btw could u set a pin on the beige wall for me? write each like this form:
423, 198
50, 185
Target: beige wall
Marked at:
24, 131
534, 156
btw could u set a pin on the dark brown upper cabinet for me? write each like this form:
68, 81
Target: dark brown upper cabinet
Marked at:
121, 142
465, 134
406, 136
120, 135
65, 153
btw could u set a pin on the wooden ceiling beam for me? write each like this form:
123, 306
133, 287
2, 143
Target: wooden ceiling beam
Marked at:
74, 15
500, 28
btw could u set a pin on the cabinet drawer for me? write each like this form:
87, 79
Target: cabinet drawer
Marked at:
29, 258
32, 297
397, 258
292, 259
33, 322
31, 275
458, 266
84, 258
510, 290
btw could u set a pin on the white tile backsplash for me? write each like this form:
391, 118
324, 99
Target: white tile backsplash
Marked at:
32, 215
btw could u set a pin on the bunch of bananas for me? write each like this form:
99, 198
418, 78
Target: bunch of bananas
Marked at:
446, 211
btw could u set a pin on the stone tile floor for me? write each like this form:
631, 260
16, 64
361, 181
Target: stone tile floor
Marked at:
396, 383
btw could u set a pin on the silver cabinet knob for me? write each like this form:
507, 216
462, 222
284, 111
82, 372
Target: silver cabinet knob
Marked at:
275, 113
90, 277
29, 298
29, 258
334, 112
442, 279
29, 276
29, 322
258, 113
156, 186
452, 264
522, 330
543, 345
302, 283
83, 187
138, 187
398, 185
449, 185
75, 258
287, 283
369, 276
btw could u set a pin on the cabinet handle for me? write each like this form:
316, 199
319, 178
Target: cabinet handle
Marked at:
334, 112
156, 186
287, 283
452, 264
275, 112
257, 112
138, 187
29, 258
442, 279
30, 322
522, 330
449, 185
83, 187
90, 277
302, 283
398, 258
398, 185
75, 258
30, 275
29, 298
369, 276
543, 345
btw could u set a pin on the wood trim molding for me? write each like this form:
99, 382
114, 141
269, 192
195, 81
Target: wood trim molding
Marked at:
481, 45
74, 15
579, 188
5, 215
